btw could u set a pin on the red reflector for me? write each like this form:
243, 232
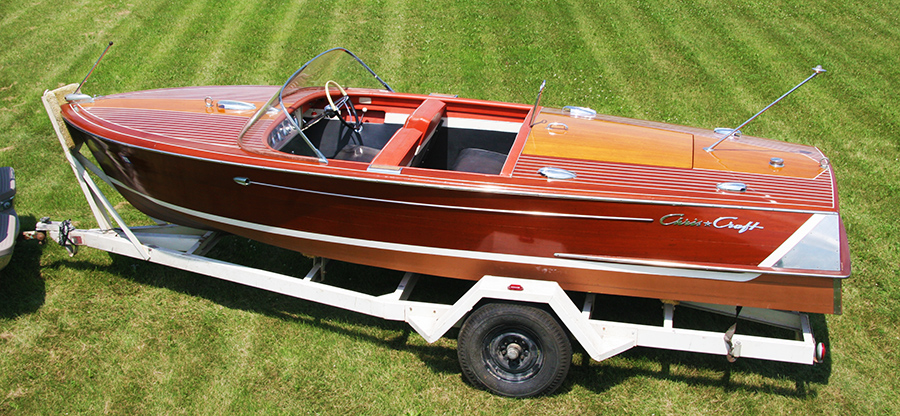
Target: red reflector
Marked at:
820, 352
516, 288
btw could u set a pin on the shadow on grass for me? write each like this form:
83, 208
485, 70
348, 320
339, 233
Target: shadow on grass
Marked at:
22, 288
691, 368
784, 379
236, 296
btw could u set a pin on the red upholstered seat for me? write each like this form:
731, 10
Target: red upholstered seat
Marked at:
412, 138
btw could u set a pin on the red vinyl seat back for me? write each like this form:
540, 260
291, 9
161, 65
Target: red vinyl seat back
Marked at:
413, 137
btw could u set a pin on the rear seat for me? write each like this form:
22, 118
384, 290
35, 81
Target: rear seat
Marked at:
475, 160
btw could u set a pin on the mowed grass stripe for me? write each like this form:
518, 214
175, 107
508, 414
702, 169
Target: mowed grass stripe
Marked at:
100, 27
105, 334
628, 59
22, 30
186, 33
33, 62
394, 44
602, 43
213, 67
29, 58
268, 48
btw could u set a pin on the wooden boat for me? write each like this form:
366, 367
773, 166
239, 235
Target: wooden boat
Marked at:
464, 188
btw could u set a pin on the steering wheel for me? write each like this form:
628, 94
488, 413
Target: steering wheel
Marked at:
344, 103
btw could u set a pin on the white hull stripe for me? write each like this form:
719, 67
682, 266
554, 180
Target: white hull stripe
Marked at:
455, 253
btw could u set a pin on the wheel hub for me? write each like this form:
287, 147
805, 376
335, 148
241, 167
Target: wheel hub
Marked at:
513, 351
512, 355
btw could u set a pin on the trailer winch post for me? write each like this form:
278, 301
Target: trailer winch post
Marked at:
92, 193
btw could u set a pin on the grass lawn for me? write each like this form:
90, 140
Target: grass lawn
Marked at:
100, 333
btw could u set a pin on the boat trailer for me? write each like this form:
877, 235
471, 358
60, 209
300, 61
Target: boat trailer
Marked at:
515, 333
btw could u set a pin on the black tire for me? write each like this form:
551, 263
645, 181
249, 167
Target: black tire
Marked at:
514, 350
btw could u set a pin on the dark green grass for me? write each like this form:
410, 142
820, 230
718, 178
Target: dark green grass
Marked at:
100, 333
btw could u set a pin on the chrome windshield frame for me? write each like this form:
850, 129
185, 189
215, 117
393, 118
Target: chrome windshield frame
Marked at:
277, 100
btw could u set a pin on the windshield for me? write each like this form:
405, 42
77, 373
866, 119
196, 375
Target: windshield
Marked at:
338, 64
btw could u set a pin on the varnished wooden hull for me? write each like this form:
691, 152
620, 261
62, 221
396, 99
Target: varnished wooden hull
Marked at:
657, 231
467, 234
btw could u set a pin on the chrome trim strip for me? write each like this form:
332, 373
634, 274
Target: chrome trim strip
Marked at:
454, 207
493, 187
455, 253
376, 169
689, 266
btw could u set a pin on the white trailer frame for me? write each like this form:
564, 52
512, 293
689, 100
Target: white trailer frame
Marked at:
185, 248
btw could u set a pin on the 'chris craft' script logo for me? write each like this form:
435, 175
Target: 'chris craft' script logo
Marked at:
721, 222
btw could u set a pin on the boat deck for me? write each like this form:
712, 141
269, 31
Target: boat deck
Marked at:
699, 185
210, 133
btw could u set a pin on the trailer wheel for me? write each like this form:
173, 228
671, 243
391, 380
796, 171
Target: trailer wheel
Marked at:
514, 350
